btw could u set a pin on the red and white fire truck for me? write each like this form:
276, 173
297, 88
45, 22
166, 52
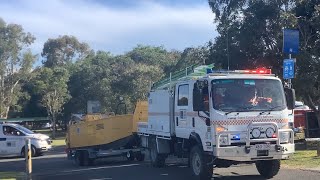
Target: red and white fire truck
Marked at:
220, 118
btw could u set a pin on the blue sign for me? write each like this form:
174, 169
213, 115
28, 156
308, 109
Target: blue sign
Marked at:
288, 69
290, 41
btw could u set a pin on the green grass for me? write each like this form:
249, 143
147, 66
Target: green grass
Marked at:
59, 142
60, 137
12, 175
303, 159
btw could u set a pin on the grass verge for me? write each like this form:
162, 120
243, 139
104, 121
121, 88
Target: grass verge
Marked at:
303, 159
59, 141
60, 137
12, 175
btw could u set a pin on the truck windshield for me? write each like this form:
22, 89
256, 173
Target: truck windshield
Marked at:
247, 95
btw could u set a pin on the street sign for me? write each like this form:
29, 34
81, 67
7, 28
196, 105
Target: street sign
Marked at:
288, 69
290, 41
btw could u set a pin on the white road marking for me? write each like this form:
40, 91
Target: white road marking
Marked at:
34, 158
183, 166
164, 174
105, 167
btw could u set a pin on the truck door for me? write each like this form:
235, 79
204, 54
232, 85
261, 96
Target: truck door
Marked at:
182, 105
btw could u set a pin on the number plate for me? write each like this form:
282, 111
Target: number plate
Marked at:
263, 146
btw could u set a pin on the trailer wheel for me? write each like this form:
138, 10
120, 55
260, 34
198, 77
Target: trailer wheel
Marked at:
268, 168
130, 156
157, 160
139, 156
86, 160
79, 158
199, 165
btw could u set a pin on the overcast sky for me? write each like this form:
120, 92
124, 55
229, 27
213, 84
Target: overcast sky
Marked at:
114, 25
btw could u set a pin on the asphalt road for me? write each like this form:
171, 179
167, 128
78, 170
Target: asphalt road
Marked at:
55, 166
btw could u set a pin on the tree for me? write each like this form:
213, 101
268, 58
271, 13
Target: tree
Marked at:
154, 56
250, 33
51, 84
192, 56
90, 80
251, 36
307, 83
15, 64
63, 50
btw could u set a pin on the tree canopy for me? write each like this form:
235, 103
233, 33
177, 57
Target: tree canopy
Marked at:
250, 35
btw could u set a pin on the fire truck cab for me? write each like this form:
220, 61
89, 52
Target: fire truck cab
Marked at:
219, 119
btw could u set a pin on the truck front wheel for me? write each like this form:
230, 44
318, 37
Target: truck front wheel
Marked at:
199, 165
268, 168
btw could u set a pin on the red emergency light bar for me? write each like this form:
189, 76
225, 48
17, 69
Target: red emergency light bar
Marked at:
257, 71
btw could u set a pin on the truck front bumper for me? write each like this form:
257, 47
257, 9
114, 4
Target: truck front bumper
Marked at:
250, 153
255, 149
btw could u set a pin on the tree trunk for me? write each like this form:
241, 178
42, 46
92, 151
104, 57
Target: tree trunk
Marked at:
53, 126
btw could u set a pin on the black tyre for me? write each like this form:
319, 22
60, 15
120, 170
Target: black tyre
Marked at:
87, 161
130, 156
268, 168
79, 158
157, 160
198, 164
33, 151
140, 156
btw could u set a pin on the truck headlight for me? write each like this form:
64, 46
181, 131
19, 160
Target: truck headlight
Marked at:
284, 137
224, 140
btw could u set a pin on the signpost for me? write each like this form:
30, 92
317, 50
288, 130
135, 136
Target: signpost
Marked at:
288, 69
290, 41
290, 46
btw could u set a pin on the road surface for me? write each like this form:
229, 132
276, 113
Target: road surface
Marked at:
55, 166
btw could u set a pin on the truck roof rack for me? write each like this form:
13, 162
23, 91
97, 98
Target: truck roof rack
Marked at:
191, 72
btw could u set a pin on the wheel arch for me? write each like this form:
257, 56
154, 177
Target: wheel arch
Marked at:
194, 139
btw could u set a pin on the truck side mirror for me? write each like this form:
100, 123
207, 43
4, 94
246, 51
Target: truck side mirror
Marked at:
198, 104
290, 98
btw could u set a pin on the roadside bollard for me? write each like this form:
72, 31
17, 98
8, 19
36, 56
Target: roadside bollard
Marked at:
28, 158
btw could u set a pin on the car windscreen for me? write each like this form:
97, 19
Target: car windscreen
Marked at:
24, 130
247, 95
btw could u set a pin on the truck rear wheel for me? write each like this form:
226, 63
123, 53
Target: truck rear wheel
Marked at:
157, 160
268, 168
199, 165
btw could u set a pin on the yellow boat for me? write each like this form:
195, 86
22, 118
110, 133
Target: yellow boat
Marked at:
95, 133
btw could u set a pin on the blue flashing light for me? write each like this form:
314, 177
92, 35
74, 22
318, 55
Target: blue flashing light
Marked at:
236, 137
209, 71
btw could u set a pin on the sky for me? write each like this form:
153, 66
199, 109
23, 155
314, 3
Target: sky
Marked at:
116, 26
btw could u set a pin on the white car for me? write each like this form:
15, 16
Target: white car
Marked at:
12, 141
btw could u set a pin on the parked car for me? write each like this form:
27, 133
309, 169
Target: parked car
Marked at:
301, 105
12, 141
